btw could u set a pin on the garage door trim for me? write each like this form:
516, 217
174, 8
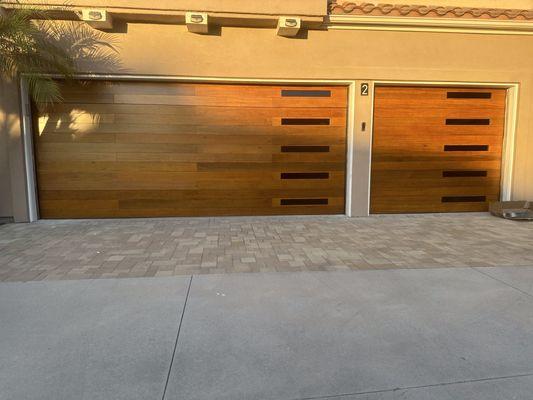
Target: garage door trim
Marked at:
511, 112
30, 198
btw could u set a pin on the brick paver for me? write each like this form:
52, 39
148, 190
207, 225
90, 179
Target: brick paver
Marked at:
75, 249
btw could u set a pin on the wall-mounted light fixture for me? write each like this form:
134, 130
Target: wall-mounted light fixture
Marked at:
197, 22
97, 18
289, 26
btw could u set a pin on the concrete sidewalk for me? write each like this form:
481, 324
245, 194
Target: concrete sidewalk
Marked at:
433, 334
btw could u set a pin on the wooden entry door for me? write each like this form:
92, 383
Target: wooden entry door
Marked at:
131, 149
436, 149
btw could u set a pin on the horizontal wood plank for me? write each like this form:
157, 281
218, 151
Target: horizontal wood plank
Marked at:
147, 149
409, 156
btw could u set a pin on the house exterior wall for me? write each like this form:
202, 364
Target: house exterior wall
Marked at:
271, 7
5, 181
275, 7
363, 55
12, 182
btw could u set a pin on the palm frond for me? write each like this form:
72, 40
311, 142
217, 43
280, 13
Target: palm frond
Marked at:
36, 46
44, 89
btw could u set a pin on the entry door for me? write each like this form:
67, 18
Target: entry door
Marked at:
131, 149
436, 149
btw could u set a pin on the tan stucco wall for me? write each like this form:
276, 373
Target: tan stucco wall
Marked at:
306, 7
5, 181
12, 183
370, 55
275, 7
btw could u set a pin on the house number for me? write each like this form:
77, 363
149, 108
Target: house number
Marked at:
364, 89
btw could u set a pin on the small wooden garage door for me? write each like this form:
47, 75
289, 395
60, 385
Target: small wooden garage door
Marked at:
436, 149
124, 149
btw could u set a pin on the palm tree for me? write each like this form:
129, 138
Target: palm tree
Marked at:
34, 45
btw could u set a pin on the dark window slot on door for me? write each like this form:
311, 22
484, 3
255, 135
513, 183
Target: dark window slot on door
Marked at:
305, 175
467, 121
469, 95
466, 147
462, 174
303, 202
305, 93
305, 121
463, 199
305, 149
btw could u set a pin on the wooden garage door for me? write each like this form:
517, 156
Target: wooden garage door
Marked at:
436, 149
124, 149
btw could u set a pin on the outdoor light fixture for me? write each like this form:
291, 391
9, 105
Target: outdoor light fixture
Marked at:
197, 18
98, 19
197, 22
289, 26
291, 23
94, 15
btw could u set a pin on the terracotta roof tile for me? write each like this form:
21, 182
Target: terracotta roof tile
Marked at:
406, 10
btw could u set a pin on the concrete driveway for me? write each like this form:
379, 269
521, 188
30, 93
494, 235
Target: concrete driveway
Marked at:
420, 334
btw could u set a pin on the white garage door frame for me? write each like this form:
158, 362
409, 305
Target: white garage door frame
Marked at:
362, 164
32, 200
359, 130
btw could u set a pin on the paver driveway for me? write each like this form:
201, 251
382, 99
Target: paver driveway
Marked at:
75, 249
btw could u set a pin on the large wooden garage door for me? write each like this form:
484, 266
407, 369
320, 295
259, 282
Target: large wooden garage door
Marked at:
436, 149
124, 149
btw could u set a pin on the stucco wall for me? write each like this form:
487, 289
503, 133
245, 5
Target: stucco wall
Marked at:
12, 183
276, 7
5, 181
339, 54
307, 7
